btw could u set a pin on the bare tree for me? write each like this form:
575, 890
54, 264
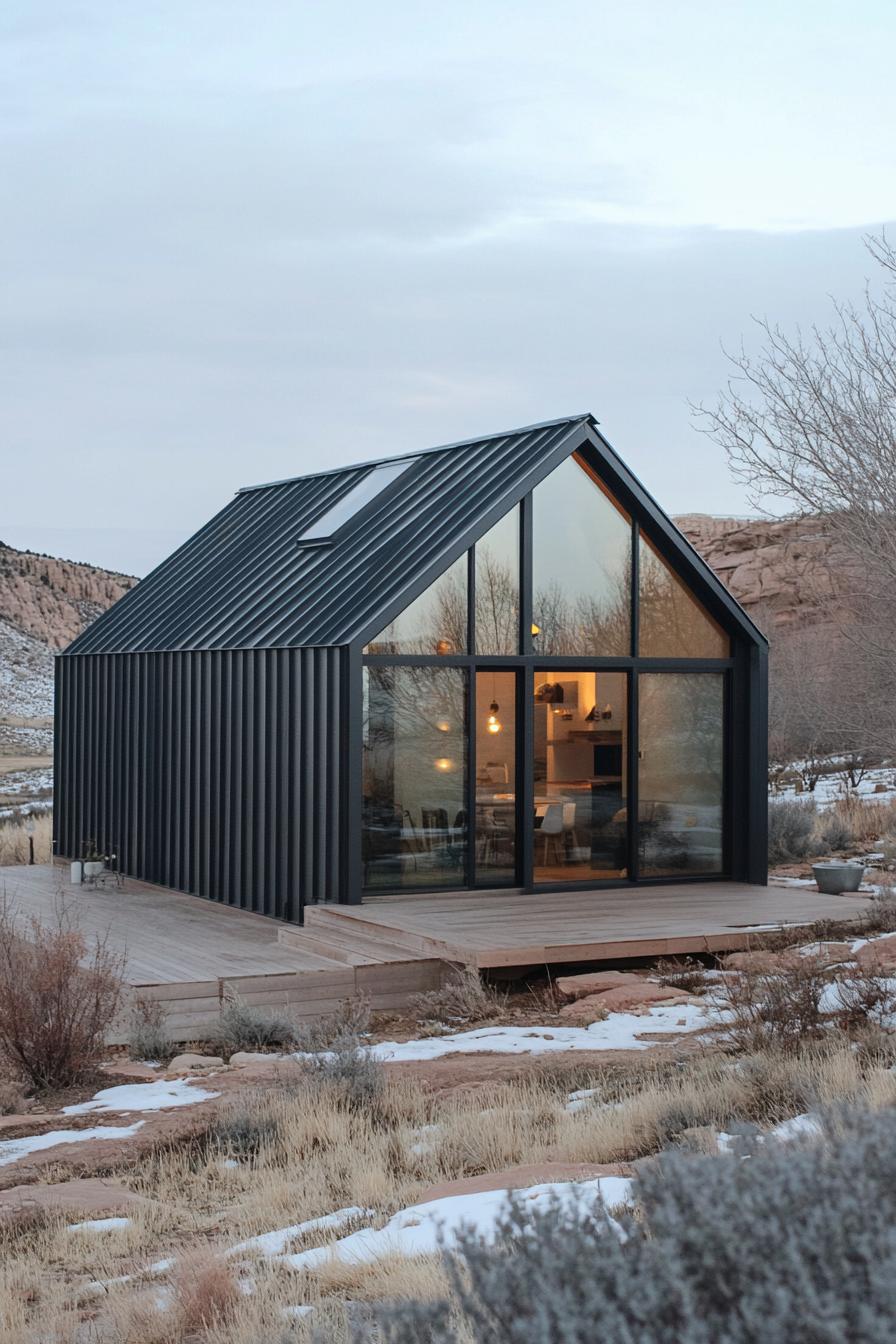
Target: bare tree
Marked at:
811, 422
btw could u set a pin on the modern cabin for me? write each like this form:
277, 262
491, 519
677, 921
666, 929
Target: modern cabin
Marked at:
493, 664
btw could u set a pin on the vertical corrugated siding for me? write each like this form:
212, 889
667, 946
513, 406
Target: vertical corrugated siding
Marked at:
205, 771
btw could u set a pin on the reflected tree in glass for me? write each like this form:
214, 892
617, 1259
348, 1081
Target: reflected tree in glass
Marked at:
581, 566
434, 623
498, 587
680, 772
672, 623
414, 827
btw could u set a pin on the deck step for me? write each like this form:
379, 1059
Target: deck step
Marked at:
351, 942
321, 920
352, 947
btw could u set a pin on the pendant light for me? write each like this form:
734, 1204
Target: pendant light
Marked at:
493, 723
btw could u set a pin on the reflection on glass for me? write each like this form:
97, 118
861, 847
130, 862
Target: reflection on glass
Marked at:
495, 777
580, 775
435, 622
680, 773
581, 541
498, 587
414, 827
672, 623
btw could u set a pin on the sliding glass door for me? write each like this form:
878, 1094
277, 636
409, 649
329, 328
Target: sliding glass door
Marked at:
580, 759
681, 718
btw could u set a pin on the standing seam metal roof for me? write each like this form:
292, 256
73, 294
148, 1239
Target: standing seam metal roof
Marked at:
242, 581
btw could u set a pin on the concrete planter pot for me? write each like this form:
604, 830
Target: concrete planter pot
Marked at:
835, 878
93, 867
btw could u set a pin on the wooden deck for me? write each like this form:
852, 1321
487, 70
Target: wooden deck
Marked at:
490, 929
193, 954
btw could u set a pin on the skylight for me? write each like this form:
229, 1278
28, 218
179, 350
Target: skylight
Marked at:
361, 494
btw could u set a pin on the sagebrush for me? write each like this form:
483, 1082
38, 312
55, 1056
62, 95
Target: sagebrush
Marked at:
794, 1245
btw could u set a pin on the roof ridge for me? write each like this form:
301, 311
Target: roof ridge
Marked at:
421, 452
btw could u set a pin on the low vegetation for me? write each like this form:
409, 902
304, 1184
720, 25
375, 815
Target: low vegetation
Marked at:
57, 998
244, 1027
794, 1244
14, 839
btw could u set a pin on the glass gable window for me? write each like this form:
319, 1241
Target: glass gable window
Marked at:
672, 623
498, 587
581, 566
355, 499
680, 773
414, 824
435, 623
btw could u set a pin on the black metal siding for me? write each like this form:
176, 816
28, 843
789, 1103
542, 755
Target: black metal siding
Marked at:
217, 772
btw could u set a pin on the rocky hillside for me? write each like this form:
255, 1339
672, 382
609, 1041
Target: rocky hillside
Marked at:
774, 569
44, 604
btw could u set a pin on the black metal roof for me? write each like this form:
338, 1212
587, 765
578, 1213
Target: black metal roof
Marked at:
243, 581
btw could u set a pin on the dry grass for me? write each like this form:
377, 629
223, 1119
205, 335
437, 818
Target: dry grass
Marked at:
463, 998
309, 1152
14, 840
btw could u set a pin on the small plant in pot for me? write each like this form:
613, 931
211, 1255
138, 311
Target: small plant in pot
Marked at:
94, 862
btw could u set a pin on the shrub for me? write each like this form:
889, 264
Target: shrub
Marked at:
790, 826
685, 974
148, 1035
835, 832
242, 1027
463, 998
246, 1125
795, 1244
352, 1072
11, 1099
344, 1028
866, 996
778, 1007
57, 998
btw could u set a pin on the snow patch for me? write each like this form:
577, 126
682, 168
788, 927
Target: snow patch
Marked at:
160, 1096
13, 1149
100, 1225
423, 1229
275, 1243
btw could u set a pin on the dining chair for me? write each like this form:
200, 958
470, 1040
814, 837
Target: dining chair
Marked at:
552, 829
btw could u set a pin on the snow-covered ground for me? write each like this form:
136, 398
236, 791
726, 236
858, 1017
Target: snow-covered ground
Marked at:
879, 783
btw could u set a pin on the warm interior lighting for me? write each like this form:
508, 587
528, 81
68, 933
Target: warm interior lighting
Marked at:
443, 726
444, 764
494, 723
444, 646
536, 630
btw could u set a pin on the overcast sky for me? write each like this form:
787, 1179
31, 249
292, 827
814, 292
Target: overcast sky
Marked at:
243, 241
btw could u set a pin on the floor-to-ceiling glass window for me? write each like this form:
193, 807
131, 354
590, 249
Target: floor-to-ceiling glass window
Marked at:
581, 566
414, 823
580, 762
495, 835
680, 773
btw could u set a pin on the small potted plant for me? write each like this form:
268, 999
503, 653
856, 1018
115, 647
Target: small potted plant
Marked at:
94, 861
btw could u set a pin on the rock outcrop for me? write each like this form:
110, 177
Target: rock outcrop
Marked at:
777, 570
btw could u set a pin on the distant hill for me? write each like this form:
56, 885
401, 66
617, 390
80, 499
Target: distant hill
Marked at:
44, 604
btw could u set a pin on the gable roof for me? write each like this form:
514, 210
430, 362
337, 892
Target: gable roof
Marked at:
244, 581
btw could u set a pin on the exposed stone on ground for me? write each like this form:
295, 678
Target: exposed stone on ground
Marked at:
245, 1058
879, 956
625, 999
91, 1197
518, 1178
594, 982
130, 1068
190, 1063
